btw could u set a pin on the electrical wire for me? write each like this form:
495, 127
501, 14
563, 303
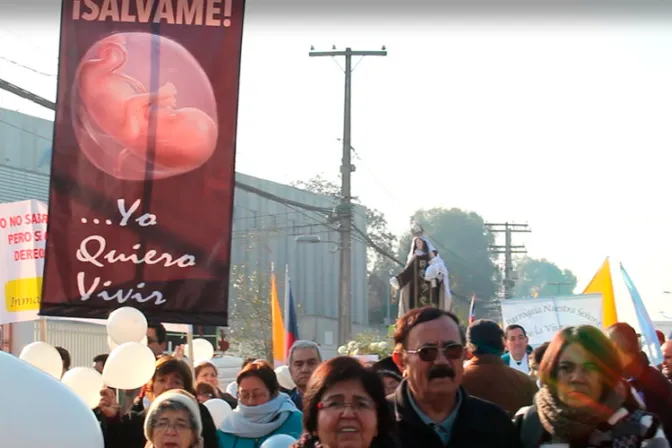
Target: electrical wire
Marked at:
51, 75
279, 199
25, 130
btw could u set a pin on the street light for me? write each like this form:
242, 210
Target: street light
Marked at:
315, 239
308, 239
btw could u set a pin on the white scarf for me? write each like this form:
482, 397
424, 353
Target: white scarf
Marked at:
251, 422
523, 366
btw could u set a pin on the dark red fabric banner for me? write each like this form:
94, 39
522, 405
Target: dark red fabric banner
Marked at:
143, 165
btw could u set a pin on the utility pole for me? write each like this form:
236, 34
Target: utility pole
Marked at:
508, 249
344, 210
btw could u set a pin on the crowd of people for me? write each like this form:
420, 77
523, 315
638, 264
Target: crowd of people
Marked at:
443, 386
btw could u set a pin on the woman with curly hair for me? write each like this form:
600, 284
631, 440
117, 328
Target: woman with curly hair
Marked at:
345, 407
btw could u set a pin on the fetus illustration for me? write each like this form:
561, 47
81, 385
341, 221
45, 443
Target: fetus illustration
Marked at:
117, 118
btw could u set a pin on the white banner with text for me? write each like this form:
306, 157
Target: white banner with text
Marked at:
543, 317
23, 232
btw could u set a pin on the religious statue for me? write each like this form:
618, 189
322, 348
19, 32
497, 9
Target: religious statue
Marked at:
424, 280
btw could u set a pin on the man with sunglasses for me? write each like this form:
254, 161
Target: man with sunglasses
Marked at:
430, 406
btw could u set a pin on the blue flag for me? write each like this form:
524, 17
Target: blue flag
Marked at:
650, 343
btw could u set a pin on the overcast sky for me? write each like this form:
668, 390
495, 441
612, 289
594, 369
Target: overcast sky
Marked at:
560, 121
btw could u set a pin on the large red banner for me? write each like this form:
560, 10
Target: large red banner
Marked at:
142, 176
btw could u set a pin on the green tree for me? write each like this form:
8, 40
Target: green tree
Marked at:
319, 185
380, 267
463, 243
376, 224
544, 278
250, 314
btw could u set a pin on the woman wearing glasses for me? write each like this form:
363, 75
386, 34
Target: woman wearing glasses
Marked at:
344, 407
263, 411
583, 400
125, 430
174, 421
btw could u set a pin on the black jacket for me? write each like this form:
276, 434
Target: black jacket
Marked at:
128, 431
657, 392
228, 398
479, 423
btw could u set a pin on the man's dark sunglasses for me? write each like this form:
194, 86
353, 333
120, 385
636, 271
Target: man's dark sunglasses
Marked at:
429, 353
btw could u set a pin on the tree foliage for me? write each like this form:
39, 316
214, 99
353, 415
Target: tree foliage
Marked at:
319, 185
380, 268
463, 243
543, 278
376, 224
250, 313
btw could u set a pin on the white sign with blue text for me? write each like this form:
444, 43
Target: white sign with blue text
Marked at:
543, 317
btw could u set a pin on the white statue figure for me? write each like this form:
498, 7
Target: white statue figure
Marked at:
424, 280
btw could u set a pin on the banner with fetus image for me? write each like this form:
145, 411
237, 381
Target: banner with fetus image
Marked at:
143, 164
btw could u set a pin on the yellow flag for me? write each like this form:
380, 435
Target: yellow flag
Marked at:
602, 284
278, 325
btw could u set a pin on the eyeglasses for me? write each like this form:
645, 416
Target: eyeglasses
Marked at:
429, 353
359, 405
244, 396
177, 426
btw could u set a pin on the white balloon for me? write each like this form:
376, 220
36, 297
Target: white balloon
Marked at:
126, 324
203, 350
129, 366
112, 345
219, 410
86, 383
278, 441
58, 417
285, 378
232, 389
43, 356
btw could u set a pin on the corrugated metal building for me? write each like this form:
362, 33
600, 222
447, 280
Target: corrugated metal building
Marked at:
264, 230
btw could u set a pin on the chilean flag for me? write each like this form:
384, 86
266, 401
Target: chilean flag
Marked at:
291, 323
472, 314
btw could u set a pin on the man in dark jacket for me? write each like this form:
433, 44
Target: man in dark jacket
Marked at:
666, 366
488, 377
652, 387
430, 406
304, 357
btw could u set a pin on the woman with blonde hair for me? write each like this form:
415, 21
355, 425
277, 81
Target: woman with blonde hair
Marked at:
174, 421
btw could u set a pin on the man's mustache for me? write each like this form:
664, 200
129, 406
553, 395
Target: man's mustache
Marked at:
441, 372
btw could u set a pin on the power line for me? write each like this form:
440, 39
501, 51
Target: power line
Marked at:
25, 130
51, 75
280, 199
456, 256
16, 90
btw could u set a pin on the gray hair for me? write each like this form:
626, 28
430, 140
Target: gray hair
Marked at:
303, 344
172, 405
